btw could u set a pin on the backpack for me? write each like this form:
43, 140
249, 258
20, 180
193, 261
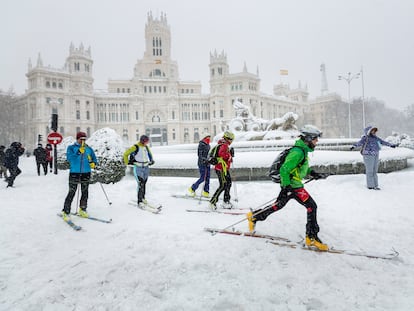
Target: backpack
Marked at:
131, 159
274, 171
213, 155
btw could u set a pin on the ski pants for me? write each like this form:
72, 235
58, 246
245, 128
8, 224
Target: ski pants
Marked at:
141, 174
371, 168
74, 180
303, 198
44, 165
204, 178
224, 185
14, 172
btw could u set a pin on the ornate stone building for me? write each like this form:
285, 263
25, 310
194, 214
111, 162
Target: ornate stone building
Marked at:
154, 101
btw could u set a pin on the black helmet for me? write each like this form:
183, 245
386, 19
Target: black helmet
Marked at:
144, 139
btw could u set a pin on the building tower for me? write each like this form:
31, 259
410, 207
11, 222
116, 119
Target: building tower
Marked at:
324, 81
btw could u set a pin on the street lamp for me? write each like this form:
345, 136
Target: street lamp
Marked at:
363, 98
348, 79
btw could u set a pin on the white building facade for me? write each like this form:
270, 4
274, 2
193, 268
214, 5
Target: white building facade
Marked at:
154, 101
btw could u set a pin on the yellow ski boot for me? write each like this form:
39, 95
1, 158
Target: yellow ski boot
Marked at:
316, 242
205, 194
191, 192
83, 213
251, 220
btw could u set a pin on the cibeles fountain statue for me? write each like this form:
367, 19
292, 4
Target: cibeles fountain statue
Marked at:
247, 127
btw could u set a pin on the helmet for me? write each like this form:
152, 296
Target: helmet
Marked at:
144, 139
310, 132
228, 135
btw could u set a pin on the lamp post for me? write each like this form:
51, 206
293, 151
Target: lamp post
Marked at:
348, 78
363, 98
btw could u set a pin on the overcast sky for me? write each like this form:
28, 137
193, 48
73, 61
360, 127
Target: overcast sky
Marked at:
296, 35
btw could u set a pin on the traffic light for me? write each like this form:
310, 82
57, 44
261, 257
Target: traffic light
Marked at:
54, 126
39, 138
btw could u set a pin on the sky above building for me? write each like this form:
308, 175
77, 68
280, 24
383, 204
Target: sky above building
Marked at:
266, 35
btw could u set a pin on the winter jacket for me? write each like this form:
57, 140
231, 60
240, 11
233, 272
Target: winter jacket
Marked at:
2, 157
143, 155
291, 171
40, 155
371, 143
80, 162
12, 155
203, 150
224, 156
49, 157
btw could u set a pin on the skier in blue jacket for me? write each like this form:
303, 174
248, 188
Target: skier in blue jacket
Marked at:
81, 159
371, 145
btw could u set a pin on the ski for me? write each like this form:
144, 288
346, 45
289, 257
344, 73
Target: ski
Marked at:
148, 207
71, 223
106, 221
187, 196
218, 211
284, 242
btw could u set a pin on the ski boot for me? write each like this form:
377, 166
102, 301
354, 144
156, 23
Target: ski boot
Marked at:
191, 192
316, 242
65, 216
82, 213
213, 206
204, 194
251, 221
227, 205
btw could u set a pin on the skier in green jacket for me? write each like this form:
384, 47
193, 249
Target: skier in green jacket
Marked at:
293, 170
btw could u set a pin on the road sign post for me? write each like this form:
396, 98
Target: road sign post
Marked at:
54, 139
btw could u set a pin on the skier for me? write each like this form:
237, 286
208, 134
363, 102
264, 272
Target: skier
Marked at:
222, 168
81, 159
203, 167
3, 169
11, 161
49, 157
40, 155
370, 143
142, 159
291, 173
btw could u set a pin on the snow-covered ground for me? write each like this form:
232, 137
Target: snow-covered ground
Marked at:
144, 261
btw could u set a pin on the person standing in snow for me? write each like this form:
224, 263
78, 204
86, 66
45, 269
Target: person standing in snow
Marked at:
203, 167
49, 157
81, 159
3, 169
142, 159
11, 161
40, 155
222, 168
371, 145
294, 168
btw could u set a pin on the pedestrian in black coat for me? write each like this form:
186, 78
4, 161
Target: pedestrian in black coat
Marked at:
41, 158
12, 161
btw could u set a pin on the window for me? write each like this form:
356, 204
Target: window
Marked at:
136, 115
47, 84
77, 115
88, 114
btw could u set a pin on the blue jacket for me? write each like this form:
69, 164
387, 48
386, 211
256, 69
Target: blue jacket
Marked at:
79, 163
371, 143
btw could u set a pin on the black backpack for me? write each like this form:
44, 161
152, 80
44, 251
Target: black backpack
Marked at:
213, 155
274, 171
131, 159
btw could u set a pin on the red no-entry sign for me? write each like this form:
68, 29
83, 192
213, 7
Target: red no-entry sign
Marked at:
54, 138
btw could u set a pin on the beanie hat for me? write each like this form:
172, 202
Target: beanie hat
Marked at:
80, 135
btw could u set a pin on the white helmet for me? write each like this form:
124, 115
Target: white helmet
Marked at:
310, 132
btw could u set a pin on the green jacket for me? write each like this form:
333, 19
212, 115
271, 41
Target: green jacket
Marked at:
291, 172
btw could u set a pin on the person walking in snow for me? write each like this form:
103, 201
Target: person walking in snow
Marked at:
11, 161
203, 167
82, 160
49, 157
141, 158
371, 145
40, 155
293, 170
225, 156
3, 169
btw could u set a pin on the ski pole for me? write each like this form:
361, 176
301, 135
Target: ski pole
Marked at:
106, 196
77, 197
245, 218
235, 185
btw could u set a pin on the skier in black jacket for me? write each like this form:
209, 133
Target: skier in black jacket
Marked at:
12, 161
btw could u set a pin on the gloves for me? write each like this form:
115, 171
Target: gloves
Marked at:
82, 149
92, 165
151, 163
316, 175
352, 148
232, 152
